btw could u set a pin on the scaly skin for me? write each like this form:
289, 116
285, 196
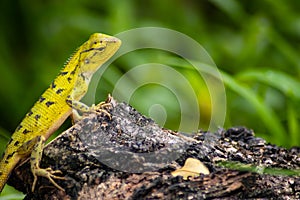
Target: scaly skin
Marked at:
55, 105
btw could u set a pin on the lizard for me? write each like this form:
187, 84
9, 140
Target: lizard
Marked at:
55, 105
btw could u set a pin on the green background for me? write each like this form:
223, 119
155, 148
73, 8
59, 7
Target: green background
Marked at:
254, 44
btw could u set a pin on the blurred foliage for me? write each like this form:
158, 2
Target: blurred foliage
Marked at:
254, 44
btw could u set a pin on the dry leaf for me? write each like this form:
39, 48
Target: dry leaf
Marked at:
192, 167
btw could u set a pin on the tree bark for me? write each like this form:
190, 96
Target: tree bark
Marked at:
128, 156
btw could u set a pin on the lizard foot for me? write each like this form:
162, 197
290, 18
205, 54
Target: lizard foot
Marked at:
48, 173
102, 107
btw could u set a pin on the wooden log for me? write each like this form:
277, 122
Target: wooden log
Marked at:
128, 156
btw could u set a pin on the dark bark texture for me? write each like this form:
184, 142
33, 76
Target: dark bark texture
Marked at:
128, 156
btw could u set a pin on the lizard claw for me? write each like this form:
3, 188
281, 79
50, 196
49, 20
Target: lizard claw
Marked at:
54, 172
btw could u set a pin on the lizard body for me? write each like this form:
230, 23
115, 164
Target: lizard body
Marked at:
55, 105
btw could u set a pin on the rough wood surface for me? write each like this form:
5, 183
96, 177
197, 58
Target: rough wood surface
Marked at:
131, 157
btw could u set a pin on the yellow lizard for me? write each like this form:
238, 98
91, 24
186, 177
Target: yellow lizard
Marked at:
55, 105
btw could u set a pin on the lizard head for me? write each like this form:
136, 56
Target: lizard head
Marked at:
95, 52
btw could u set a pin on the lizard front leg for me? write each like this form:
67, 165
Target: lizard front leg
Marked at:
82, 108
35, 146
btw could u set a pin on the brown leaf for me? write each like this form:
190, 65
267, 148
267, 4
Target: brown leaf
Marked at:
192, 167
